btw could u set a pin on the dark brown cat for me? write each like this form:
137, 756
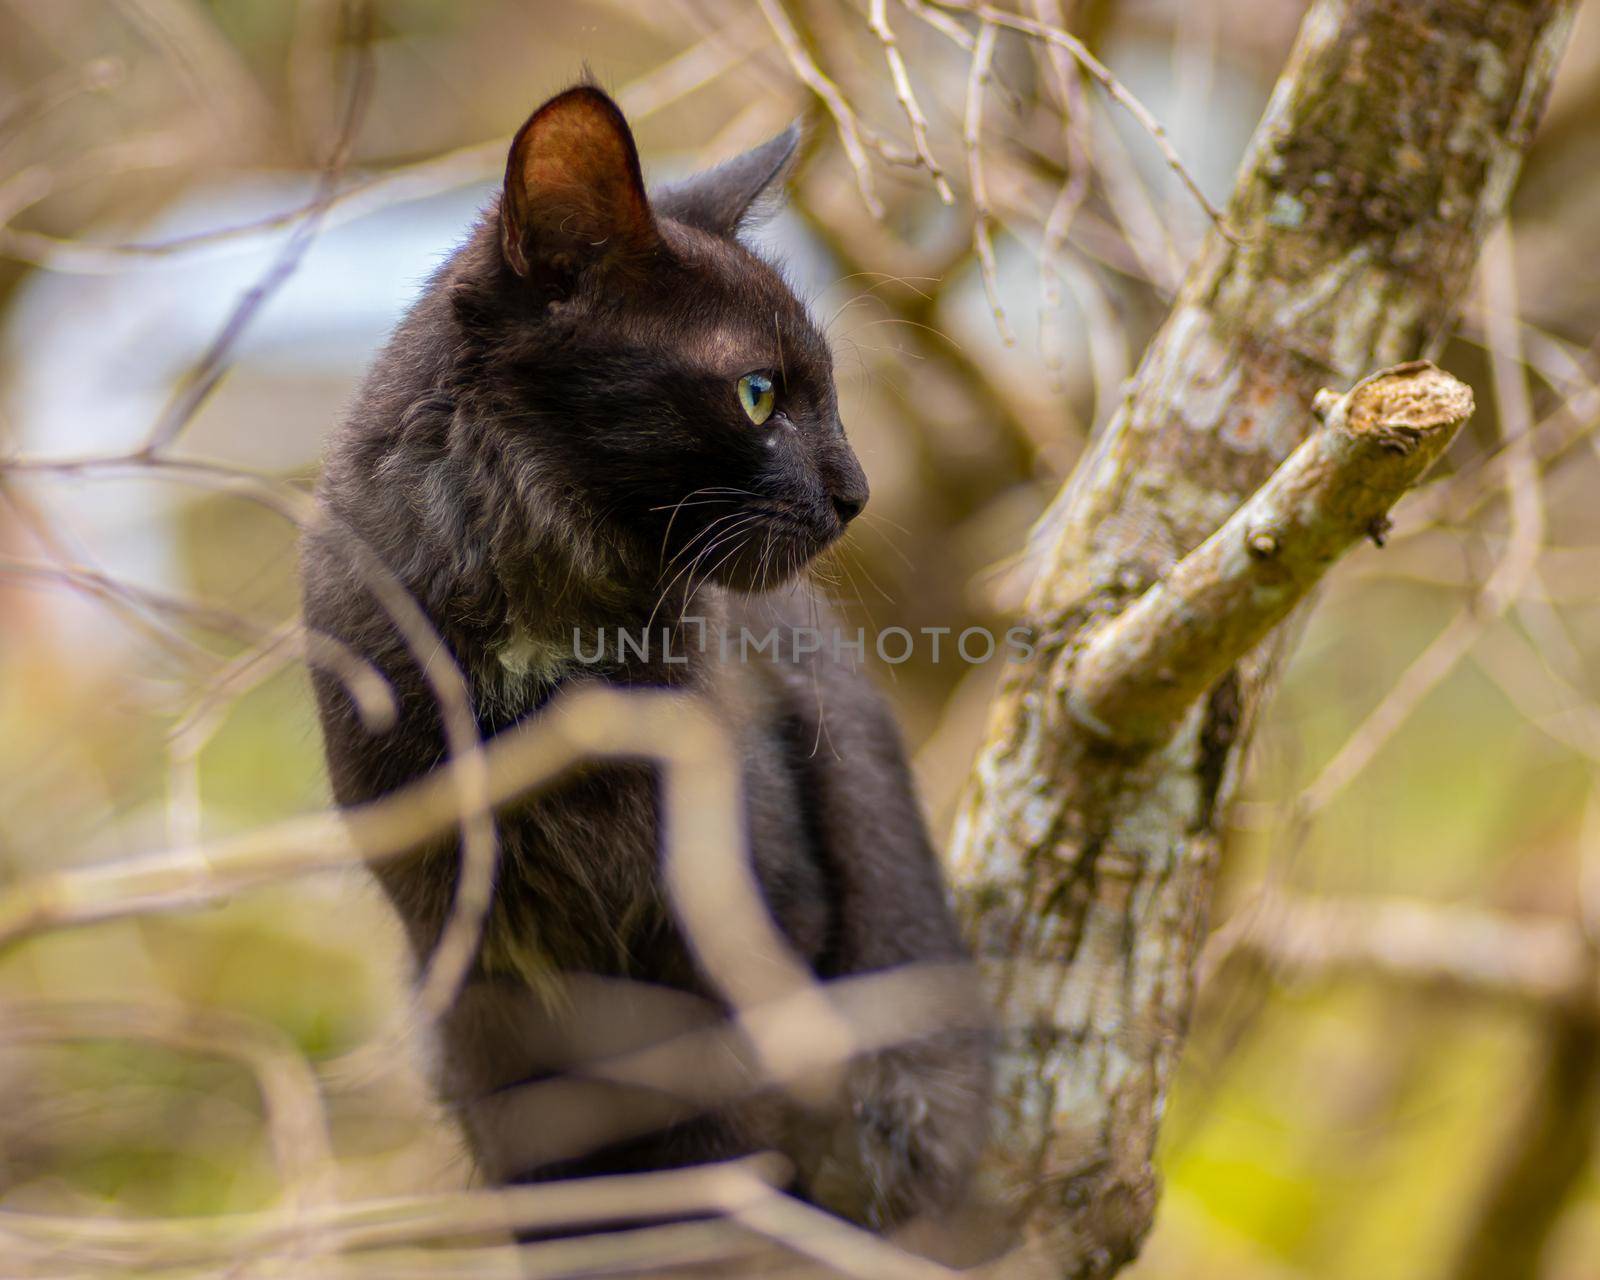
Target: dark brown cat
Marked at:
607, 412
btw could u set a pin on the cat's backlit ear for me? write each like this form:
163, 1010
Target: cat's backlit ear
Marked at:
723, 199
573, 190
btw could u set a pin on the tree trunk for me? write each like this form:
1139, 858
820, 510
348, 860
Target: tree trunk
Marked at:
1087, 843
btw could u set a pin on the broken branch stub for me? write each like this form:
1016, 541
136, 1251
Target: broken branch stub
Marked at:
1138, 674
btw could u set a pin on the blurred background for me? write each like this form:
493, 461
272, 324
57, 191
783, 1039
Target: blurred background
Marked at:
211, 214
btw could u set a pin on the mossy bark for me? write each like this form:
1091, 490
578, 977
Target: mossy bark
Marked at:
1084, 869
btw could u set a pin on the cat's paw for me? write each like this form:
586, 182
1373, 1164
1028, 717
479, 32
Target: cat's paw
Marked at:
909, 1132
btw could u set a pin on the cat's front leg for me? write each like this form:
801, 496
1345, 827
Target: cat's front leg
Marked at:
913, 1117
904, 1140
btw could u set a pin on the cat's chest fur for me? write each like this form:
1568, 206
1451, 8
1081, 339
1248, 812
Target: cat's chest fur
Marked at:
582, 860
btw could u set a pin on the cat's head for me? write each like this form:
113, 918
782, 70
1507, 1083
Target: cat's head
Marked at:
650, 368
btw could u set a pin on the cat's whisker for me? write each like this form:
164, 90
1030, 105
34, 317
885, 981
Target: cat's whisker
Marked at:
855, 587
889, 543
761, 562
844, 306
689, 568
700, 559
816, 688
688, 546
884, 278
727, 555
666, 536
865, 373
704, 535
878, 518
888, 277
679, 506
867, 574
914, 324
722, 489
715, 493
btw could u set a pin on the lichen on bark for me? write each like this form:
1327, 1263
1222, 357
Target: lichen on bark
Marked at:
1083, 867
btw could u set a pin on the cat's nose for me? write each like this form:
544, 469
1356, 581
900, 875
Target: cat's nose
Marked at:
845, 481
848, 506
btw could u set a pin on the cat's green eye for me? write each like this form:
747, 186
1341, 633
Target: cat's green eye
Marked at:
757, 396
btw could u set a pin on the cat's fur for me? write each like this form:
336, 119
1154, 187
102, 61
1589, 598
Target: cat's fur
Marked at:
549, 440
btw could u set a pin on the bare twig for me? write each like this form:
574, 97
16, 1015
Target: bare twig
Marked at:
98, 75
718, 1188
452, 955
878, 19
1069, 200
291, 1100
721, 908
844, 116
945, 25
1115, 89
202, 380
972, 136
1536, 963
1546, 1152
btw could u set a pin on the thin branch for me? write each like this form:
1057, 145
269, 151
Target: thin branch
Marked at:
878, 19
98, 75
452, 955
1545, 1155
291, 1101
202, 380
725, 1189
945, 25
1069, 200
1115, 89
972, 136
447, 171
844, 116
1540, 963
712, 884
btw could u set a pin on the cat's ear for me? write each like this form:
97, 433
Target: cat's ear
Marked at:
573, 191
723, 199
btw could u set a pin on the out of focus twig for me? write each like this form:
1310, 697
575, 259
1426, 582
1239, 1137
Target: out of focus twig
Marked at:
1547, 1150
844, 116
1540, 964
712, 884
1115, 89
878, 18
198, 385
354, 1225
972, 136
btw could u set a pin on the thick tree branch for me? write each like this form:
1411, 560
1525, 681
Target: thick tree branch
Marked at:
1140, 673
1084, 871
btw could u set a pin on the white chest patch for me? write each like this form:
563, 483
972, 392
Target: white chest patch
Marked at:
525, 661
